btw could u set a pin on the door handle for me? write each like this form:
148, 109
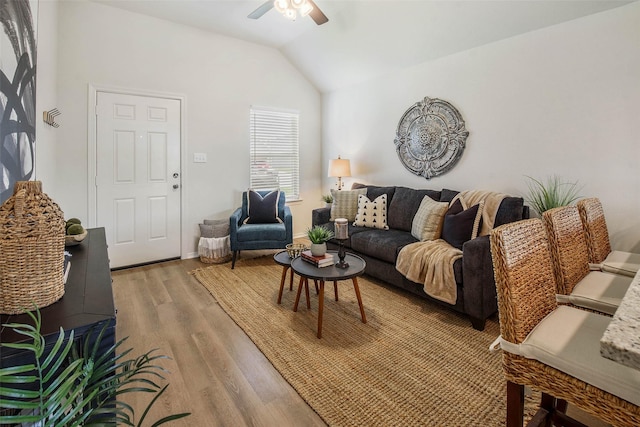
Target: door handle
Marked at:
176, 186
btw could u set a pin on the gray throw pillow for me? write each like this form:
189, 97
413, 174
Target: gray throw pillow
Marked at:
206, 231
220, 226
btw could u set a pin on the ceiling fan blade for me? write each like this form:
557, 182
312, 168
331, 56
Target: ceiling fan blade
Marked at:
317, 15
264, 8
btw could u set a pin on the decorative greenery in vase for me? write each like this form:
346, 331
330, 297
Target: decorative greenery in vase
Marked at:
74, 385
327, 198
319, 235
551, 193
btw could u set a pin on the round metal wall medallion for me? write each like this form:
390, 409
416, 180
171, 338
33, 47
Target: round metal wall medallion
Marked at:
430, 137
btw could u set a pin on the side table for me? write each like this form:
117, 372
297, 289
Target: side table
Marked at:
282, 258
332, 273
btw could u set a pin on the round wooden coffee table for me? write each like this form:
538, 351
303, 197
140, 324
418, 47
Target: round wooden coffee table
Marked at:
333, 274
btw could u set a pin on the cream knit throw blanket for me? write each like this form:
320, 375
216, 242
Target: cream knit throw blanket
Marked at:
431, 263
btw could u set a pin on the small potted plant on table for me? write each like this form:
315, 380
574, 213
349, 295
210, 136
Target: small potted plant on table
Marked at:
319, 235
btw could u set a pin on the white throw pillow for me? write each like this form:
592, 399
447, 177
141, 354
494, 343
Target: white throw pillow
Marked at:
372, 214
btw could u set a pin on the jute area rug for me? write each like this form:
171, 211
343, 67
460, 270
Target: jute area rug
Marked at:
412, 364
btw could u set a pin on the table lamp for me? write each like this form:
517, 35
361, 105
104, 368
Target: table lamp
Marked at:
339, 168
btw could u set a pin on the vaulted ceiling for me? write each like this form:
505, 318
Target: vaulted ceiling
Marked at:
367, 38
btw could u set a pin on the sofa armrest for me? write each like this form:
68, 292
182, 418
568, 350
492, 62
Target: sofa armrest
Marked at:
234, 223
480, 298
320, 216
288, 223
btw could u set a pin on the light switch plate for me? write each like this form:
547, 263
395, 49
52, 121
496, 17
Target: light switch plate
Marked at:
199, 157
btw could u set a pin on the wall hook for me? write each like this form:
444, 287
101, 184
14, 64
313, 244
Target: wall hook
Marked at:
49, 117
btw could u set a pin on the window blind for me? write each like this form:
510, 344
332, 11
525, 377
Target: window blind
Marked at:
274, 151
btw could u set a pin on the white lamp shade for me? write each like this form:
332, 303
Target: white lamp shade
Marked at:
339, 167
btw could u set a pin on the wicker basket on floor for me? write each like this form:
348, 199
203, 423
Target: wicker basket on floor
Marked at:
32, 229
215, 248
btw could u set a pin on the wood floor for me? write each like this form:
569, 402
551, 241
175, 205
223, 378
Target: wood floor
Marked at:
217, 373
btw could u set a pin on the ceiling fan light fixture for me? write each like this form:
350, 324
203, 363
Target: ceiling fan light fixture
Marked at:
290, 14
305, 9
298, 3
281, 5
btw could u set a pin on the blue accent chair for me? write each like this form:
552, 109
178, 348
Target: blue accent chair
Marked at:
246, 237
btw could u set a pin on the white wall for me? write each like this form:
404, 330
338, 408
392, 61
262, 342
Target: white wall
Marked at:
46, 94
220, 78
564, 101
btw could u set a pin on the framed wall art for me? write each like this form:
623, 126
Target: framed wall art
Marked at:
430, 137
17, 93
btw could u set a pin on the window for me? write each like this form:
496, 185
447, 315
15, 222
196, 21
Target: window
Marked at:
274, 151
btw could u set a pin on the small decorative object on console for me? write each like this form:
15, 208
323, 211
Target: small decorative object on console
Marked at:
75, 232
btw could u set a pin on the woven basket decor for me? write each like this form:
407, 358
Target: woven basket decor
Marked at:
32, 229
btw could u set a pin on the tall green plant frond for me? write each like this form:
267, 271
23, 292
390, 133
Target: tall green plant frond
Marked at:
73, 385
552, 193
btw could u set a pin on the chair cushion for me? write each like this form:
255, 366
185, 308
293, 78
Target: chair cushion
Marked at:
262, 232
372, 214
625, 263
345, 203
461, 225
568, 339
427, 222
599, 291
262, 209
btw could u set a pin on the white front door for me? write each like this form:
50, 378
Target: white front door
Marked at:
138, 177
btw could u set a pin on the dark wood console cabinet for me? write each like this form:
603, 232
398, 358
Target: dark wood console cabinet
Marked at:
87, 302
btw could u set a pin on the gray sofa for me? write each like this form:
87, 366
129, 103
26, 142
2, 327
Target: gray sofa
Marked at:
476, 291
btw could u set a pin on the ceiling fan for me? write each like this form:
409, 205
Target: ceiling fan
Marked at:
291, 8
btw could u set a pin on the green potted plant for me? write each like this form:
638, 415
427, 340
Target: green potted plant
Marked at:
328, 199
551, 193
76, 385
319, 235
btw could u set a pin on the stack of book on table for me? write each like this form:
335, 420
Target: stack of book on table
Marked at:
325, 260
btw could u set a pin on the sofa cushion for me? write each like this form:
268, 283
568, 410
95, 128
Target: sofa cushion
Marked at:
345, 203
372, 214
381, 244
374, 191
404, 205
427, 222
448, 195
459, 224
